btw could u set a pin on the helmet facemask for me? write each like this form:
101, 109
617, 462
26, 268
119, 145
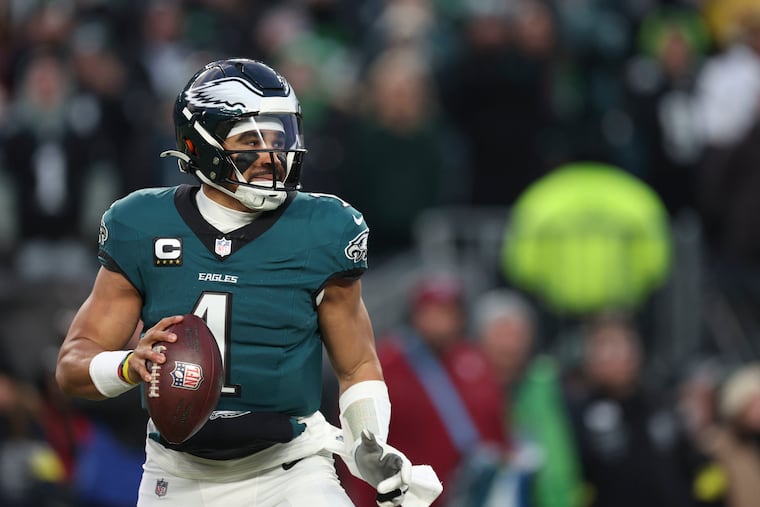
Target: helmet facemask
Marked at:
265, 153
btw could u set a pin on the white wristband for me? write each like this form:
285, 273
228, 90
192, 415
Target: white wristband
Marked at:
104, 373
365, 405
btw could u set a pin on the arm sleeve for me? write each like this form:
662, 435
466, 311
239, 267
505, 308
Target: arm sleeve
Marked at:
365, 405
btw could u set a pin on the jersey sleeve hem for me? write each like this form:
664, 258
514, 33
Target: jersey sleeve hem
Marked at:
348, 274
110, 264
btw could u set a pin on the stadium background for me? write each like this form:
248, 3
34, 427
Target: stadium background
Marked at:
433, 117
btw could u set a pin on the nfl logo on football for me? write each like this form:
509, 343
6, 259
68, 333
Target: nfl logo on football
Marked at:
186, 375
223, 247
161, 487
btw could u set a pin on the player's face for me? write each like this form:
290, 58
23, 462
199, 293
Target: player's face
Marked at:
258, 166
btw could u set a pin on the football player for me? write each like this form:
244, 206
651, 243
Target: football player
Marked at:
275, 273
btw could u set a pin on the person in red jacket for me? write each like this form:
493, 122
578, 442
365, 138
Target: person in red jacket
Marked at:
446, 399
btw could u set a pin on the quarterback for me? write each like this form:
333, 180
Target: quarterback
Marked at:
275, 273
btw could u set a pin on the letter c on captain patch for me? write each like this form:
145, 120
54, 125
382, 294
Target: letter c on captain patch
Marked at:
167, 251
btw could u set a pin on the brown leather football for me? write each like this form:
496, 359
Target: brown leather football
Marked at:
185, 389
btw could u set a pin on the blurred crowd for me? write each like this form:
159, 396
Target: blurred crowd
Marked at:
432, 102
506, 421
410, 105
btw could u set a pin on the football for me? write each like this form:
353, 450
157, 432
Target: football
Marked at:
184, 390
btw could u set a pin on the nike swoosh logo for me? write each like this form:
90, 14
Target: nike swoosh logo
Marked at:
358, 220
291, 464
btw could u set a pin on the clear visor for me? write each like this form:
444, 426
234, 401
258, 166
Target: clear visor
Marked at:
264, 148
269, 131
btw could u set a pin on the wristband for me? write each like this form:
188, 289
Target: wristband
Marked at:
106, 373
123, 370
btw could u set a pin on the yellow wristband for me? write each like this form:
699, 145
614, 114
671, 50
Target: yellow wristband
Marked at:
124, 369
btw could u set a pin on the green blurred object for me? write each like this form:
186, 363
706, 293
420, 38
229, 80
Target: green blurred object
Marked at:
539, 415
662, 23
588, 237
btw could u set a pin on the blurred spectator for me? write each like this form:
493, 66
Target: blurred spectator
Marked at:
698, 409
324, 70
728, 104
30, 471
86, 434
167, 59
733, 212
698, 397
497, 91
41, 24
504, 323
728, 87
401, 157
411, 24
44, 152
165, 54
596, 38
278, 27
228, 26
48, 157
631, 445
506, 328
106, 89
661, 80
447, 401
735, 444
734, 241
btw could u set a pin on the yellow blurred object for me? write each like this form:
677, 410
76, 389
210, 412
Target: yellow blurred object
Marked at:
588, 237
588, 494
710, 483
726, 18
46, 466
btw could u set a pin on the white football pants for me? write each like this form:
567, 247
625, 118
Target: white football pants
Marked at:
310, 482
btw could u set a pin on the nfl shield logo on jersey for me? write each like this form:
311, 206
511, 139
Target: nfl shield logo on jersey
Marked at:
223, 247
161, 487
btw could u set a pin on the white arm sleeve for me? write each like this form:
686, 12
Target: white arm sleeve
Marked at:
365, 405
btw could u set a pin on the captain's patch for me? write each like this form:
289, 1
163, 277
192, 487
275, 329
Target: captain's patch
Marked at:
167, 251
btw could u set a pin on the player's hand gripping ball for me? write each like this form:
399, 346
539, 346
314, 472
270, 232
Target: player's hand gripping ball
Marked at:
184, 390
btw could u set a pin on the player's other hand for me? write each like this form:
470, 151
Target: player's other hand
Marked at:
383, 467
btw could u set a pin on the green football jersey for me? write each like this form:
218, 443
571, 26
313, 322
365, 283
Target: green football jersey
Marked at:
256, 287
